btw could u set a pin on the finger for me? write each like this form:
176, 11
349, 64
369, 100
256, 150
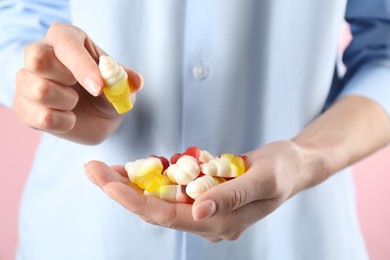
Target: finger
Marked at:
40, 59
46, 92
136, 80
120, 169
101, 174
155, 211
151, 209
231, 195
78, 53
159, 212
43, 118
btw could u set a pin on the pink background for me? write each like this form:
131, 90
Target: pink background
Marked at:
18, 143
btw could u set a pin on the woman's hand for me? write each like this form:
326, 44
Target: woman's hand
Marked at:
276, 172
59, 89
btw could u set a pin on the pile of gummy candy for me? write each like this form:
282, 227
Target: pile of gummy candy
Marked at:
190, 173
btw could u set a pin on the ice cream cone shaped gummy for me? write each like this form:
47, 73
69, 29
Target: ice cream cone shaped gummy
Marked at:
186, 175
172, 193
202, 184
116, 86
146, 173
185, 170
227, 165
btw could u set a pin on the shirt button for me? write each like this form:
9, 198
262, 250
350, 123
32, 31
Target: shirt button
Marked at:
200, 72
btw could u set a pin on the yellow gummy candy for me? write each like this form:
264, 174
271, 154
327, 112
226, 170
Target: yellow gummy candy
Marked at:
119, 95
236, 162
165, 192
116, 86
149, 179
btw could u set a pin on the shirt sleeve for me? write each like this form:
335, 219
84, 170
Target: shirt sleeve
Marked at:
21, 23
367, 58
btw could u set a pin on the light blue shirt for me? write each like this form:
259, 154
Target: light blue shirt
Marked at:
227, 76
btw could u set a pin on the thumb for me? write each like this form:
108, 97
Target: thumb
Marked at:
224, 198
78, 53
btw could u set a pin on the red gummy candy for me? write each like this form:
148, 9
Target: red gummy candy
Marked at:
164, 161
244, 157
200, 175
175, 157
193, 151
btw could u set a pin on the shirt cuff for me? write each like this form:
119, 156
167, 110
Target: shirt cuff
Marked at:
372, 81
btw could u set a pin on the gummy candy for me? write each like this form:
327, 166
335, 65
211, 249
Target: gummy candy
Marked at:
116, 86
146, 173
164, 161
227, 165
191, 151
172, 193
237, 163
205, 156
189, 175
184, 170
202, 184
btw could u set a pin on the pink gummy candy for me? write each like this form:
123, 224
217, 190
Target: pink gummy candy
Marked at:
193, 151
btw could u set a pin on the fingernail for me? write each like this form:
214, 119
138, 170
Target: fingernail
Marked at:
92, 85
204, 210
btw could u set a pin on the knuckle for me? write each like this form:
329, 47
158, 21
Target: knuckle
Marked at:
45, 120
56, 27
36, 57
40, 91
149, 221
63, 36
168, 219
63, 46
75, 102
161, 218
236, 198
213, 239
232, 236
230, 232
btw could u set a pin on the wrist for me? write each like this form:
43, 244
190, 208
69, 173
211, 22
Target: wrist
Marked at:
314, 163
